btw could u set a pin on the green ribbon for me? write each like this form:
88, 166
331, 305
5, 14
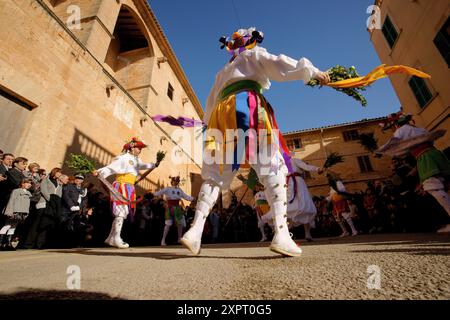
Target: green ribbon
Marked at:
240, 86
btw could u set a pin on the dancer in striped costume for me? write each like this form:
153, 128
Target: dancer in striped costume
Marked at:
126, 168
174, 212
236, 104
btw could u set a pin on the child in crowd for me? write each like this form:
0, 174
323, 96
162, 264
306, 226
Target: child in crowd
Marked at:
16, 211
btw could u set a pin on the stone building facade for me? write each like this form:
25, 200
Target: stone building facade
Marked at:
359, 166
83, 76
314, 145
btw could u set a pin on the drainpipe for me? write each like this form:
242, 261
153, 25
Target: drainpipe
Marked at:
322, 143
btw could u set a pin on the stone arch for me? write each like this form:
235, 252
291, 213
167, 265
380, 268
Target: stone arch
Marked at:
55, 3
130, 54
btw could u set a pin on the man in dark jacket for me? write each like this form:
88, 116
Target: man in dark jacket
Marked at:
15, 175
5, 165
74, 199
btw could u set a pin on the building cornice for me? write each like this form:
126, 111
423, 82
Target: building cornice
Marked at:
162, 41
333, 126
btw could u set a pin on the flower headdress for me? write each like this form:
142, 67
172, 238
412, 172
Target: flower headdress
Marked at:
398, 118
175, 179
134, 143
241, 40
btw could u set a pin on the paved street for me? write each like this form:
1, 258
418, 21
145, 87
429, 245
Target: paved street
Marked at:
412, 266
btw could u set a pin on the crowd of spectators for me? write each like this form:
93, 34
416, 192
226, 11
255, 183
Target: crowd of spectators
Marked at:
49, 209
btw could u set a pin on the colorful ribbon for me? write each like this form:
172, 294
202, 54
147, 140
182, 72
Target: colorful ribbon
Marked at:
183, 122
376, 74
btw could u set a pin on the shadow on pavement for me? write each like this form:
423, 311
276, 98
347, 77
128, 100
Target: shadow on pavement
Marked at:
414, 251
419, 241
40, 294
160, 255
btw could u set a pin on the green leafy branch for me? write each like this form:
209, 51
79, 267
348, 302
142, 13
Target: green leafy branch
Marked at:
80, 164
339, 73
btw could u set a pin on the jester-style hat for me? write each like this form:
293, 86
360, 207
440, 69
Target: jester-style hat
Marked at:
241, 40
398, 118
134, 143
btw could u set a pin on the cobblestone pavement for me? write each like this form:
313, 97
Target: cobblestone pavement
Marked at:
411, 266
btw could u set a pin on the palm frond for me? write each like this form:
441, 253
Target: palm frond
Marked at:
160, 156
368, 141
333, 159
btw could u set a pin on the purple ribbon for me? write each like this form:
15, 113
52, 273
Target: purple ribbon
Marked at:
183, 122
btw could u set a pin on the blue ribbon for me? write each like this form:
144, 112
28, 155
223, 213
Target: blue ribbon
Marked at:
242, 122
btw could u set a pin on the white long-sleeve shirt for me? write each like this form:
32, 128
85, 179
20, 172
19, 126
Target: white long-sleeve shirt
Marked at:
125, 163
259, 65
172, 193
406, 132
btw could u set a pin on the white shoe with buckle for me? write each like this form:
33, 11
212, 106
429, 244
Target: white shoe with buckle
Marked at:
444, 229
283, 244
192, 241
119, 243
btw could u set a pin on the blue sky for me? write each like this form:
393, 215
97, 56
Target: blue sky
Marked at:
328, 32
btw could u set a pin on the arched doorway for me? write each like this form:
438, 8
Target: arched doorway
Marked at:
130, 55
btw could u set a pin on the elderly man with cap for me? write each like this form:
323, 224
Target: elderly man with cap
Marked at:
74, 198
126, 167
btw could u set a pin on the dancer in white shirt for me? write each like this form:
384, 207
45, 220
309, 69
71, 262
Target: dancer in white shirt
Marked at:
432, 164
174, 212
236, 102
126, 168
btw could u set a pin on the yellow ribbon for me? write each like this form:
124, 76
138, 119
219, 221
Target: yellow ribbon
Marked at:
127, 178
376, 74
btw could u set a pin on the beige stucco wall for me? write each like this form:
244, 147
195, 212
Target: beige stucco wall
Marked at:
42, 63
317, 144
418, 23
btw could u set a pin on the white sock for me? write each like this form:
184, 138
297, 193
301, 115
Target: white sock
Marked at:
165, 233
350, 223
443, 198
207, 198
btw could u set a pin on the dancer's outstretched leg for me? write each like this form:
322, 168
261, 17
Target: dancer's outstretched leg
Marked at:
444, 200
275, 186
344, 230
352, 226
180, 232
114, 239
206, 199
165, 233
